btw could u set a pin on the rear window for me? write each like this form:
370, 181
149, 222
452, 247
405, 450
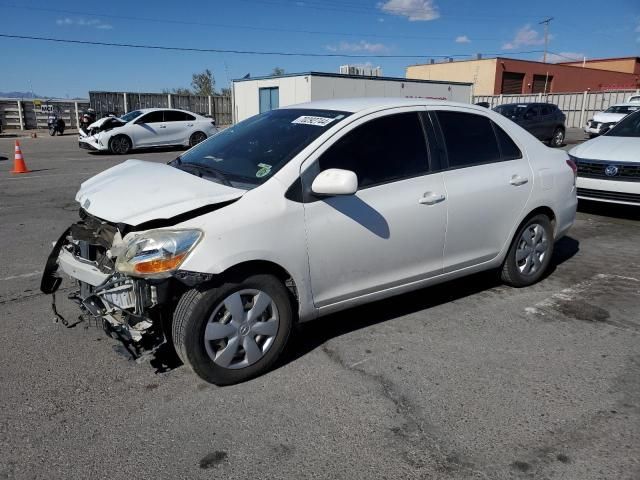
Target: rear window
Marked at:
469, 138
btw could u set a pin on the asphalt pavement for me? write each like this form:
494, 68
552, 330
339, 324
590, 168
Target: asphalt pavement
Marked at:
467, 380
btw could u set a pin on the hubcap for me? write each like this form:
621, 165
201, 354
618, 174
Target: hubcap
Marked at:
120, 145
559, 137
241, 329
532, 249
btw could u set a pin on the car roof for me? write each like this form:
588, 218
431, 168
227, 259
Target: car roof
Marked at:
359, 104
527, 103
147, 110
624, 104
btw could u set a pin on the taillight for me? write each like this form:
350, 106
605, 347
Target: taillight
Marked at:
573, 167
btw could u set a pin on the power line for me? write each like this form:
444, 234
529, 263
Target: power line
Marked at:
220, 50
239, 52
235, 26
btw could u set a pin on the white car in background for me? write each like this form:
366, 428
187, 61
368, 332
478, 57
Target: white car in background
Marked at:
147, 127
633, 98
603, 121
609, 166
307, 210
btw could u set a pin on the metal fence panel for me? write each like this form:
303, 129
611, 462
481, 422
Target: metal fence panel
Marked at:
11, 109
570, 103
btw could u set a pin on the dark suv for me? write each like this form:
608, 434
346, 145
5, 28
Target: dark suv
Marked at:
544, 121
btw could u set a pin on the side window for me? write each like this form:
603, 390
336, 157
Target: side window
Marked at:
508, 148
152, 117
469, 139
188, 117
174, 116
546, 110
382, 150
532, 112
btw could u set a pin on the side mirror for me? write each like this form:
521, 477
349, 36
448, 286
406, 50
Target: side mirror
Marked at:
335, 181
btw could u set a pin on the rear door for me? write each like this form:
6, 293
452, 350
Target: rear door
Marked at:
148, 130
178, 127
531, 121
548, 121
488, 182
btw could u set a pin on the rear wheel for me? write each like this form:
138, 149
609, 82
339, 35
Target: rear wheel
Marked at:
196, 138
120, 144
235, 331
530, 252
557, 140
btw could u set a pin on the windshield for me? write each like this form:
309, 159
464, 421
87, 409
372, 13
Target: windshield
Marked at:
127, 117
249, 153
622, 109
512, 111
629, 126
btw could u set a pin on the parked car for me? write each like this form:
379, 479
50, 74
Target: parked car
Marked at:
603, 121
609, 166
147, 127
307, 210
633, 98
544, 121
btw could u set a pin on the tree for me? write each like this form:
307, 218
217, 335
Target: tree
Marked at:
277, 71
177, 91
225, 92
203, 83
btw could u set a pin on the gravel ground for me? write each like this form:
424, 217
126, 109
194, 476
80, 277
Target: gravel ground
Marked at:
470, 379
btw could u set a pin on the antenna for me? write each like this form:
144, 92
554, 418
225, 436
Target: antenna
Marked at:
546, 36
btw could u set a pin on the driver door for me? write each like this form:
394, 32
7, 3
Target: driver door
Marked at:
391, 231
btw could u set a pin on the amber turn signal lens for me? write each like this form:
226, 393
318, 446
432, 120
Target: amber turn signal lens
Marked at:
159, 265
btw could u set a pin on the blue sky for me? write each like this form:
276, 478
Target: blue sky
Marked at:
356, 27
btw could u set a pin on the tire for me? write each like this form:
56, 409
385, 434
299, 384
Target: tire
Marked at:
120, 145
196, 138
209, 351
52, 131
519, 271
557, 139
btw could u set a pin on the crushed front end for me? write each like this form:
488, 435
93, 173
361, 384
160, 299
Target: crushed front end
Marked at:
126, 289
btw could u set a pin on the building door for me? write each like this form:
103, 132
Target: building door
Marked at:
541, 83
269, 99
512, 83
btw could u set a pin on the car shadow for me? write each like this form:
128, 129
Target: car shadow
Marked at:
312, 335
614, 210
171, 148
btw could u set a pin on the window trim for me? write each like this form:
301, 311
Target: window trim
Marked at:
433, 114
424, 138
308, 167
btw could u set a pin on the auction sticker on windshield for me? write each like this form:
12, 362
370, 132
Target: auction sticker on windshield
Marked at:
311, 120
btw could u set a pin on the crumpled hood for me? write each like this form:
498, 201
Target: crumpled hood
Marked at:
614, 149
97, 123
137, 191
608, 117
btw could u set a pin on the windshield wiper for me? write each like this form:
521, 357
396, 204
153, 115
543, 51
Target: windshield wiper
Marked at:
204, 168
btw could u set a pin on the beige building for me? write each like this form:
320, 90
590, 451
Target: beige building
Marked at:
494, 76
622, 64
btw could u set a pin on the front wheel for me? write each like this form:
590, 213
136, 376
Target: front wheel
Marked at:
120, 145
233, 332
557, 140
530, 252
52, 131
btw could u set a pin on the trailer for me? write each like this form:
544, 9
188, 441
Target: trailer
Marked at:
260, 94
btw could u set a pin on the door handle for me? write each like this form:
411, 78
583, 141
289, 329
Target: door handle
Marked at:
517, 180
162, 126
430, 198
189, 124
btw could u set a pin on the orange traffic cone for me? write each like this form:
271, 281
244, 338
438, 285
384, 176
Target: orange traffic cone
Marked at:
18, 163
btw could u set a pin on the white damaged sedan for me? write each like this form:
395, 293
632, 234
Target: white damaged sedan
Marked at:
147, 127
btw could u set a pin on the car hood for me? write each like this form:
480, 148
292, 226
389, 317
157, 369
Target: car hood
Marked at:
98, 123
615, 149
137, 191
608, 117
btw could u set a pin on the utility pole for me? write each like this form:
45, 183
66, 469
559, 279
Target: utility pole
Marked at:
546, 36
